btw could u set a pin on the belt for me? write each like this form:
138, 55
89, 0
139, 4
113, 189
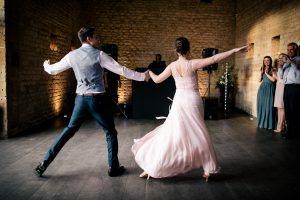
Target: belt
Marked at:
91, 94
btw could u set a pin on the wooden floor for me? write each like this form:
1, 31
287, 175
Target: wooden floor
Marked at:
255, 164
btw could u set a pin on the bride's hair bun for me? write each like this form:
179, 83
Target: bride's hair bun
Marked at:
182, 45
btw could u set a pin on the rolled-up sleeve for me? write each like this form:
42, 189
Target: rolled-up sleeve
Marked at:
110, 64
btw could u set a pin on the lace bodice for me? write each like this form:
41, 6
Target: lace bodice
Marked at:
188, 80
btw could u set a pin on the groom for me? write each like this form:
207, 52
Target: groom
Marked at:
87, 63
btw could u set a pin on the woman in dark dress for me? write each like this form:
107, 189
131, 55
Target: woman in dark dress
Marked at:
266, 114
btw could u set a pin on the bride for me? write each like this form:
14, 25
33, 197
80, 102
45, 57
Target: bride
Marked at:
182, 142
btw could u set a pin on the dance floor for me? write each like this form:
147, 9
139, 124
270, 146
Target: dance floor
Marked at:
256, 164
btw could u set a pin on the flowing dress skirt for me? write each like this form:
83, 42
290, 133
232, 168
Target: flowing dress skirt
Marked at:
181, 143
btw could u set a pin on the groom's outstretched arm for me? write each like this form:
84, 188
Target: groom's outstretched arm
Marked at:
58, 67
109, 63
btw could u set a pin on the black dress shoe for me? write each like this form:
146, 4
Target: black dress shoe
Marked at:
40, 169
116, 171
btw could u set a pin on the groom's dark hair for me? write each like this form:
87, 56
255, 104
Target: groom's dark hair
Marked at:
85, 32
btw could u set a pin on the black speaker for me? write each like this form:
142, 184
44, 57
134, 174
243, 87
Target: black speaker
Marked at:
210, 108
209, 52
111, 50
149, 100
111, 78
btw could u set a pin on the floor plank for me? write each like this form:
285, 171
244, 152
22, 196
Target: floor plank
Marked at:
256, 164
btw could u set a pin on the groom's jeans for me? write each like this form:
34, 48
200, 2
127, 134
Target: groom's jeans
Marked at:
99, 107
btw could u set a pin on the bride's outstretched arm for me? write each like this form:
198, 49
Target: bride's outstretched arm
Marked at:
200, 63
161, 77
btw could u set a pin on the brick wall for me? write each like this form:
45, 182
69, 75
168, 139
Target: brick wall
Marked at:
140, 28
143, 28
3, 99
33, 95
270, 25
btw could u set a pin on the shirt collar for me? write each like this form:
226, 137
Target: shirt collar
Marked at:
85, 45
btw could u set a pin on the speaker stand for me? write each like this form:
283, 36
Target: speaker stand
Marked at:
209, 71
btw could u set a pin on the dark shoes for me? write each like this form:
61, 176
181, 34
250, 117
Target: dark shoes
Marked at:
40, 169
116, 171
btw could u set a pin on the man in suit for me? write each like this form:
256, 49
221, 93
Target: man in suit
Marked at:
290, 73
87, 63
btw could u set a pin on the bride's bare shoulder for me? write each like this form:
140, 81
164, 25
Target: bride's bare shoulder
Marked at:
172, 63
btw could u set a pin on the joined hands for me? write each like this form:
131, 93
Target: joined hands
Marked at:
147, 76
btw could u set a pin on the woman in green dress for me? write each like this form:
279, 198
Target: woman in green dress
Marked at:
266, 113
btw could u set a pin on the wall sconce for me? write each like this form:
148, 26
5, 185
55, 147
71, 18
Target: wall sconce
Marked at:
53, 42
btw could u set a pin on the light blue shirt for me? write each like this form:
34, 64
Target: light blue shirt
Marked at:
290, 72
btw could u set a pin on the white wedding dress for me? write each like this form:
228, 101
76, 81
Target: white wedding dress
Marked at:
182, 142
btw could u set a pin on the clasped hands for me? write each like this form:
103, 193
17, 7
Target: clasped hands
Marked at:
147, 76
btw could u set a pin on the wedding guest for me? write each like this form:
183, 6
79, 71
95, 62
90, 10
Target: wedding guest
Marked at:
266, 115
157, 63
278, 100
290, 73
